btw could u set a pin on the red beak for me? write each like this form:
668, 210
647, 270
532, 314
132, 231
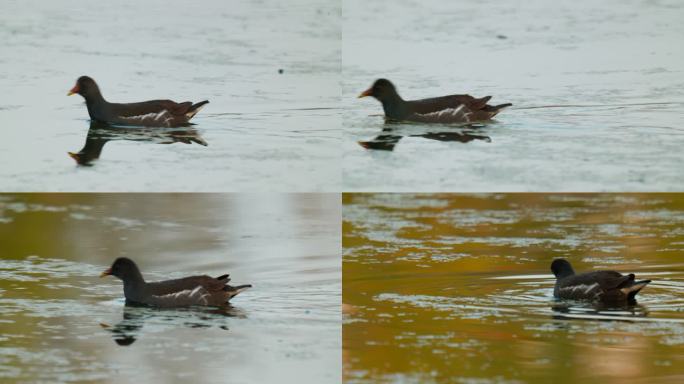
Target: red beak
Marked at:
107, 272
367, 92
74, 90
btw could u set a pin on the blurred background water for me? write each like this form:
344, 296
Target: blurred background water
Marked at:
458, 288
59, 322
616, 66
262, 127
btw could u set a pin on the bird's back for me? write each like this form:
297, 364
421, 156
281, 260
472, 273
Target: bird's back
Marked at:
591, 285
187, 283
436, 104
147, 107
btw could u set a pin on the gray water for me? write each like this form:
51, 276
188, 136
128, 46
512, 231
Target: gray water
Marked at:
264, 130
60, 322
615, 68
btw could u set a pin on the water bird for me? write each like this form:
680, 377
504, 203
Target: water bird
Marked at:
608, 287
194, 290
445, 109
153, 113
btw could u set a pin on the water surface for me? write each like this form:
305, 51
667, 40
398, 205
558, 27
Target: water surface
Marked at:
60, 322
262, 127
610, 72
457, 288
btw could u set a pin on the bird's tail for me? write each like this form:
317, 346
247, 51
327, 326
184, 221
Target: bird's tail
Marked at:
234, 291
195, 108
502, 106
633, 289
224, 278
494, 110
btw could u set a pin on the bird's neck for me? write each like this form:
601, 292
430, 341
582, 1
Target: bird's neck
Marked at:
566, 273
94, 95
394, 106
133, 285
96, 105
93, 99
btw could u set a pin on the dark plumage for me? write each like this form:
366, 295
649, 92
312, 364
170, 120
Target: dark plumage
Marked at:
194, 290
153, 113
609, 287
445, 109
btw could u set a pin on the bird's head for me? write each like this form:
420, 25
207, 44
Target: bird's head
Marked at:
382, 89
123, 268
86, 87
561, 268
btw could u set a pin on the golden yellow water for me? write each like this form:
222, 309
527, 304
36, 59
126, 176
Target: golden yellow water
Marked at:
457, 288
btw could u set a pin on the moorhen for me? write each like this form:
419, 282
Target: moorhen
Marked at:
608, 287
445, 109
194, 290
153, 113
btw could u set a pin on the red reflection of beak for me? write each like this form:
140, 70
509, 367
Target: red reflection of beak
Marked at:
73, 90
367, 92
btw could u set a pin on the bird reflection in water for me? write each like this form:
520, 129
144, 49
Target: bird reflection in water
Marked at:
568, 310
101, 133
387, 141
127, 331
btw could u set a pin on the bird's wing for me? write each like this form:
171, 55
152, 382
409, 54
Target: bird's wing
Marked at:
437, 104
614, 280
579, 291
460, 114
197, 296
167, 287
142, 108
605, 280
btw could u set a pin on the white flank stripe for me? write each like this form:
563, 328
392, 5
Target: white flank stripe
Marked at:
450, 115
196, 296
590, 288
162, 118
581, 287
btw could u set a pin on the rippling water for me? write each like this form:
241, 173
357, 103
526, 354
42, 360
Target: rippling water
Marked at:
457, 288
59, 322
612, 70
262, 127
